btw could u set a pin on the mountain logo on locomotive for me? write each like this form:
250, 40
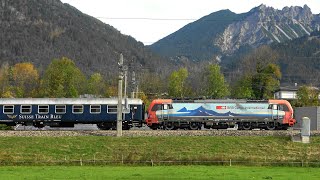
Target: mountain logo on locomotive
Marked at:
220, 114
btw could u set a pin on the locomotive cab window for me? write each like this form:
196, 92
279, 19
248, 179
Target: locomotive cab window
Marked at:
60, 109
77, 109
43, 109
25, 109
273, 106
283, 108
95, 109
156, 107
8, 109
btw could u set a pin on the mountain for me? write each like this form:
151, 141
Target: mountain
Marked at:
224, 33
39, 30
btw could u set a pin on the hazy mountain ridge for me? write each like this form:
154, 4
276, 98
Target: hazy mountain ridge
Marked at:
40, 30
224, 32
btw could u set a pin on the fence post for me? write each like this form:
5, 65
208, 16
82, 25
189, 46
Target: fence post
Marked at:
94, 159
151, 162
122, 158
230, 163
80, 161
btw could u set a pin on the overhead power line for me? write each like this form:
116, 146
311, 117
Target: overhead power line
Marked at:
147, 18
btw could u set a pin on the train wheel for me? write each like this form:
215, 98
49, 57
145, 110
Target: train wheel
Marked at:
246, 126
194, 126
271, 126
169, 126
38, 124
104, 126
154, 126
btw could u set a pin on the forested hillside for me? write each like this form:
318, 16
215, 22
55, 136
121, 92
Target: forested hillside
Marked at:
299, 60
38, 31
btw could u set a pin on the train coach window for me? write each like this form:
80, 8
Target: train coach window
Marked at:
8, 109
112, 108
25, 109
95, 109
43, 109
60, 109
77, 109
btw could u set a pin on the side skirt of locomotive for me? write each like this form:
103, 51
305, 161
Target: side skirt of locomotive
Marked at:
240, 124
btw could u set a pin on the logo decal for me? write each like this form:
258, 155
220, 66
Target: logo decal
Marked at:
221, 107
11, 116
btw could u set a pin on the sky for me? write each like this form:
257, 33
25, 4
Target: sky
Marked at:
151, 20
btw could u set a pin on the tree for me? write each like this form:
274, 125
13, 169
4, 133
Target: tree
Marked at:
258, 59
243, 88
62, 79
214, 83
266, 81
152, 83
307, 96
5, 81
97, 85
25, 80
177, 83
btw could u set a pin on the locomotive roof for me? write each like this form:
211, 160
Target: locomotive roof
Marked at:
66, 101
220, 101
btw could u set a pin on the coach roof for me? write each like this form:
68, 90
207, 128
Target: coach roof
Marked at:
67, 101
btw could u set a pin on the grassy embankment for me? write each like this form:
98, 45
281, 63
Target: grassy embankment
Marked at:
102, 150
158, 172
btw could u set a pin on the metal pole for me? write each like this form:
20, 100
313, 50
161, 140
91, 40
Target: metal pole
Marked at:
133, 83
119, 107
125, 70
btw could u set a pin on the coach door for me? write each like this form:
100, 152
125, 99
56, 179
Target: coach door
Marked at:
275, 111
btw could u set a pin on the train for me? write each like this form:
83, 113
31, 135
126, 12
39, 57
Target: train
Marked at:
172, 114
66, 112
167, 114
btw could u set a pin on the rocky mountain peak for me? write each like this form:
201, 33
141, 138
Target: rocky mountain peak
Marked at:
265, 25
220, 36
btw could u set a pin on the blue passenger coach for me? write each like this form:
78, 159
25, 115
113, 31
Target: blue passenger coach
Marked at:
65, 112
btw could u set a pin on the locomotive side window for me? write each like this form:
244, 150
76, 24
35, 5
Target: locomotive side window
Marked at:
112, 108
95, 109
25, 109
77, 109
43, 109
8, 109
60, 109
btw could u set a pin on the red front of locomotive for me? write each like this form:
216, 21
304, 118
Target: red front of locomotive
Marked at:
155, 105
288, 118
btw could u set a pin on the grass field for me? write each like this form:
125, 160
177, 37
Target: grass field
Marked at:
158, 172
103, 150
